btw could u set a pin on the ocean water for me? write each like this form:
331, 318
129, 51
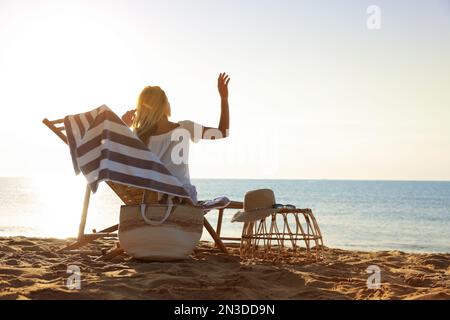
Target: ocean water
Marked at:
364, 215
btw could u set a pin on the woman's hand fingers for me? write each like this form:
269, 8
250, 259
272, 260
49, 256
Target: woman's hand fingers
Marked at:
222, 83
223, 79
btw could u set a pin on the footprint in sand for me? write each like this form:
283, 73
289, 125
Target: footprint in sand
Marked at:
12, 262
7, 271
17, 283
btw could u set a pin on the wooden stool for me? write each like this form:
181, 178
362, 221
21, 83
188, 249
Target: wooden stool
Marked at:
280, 237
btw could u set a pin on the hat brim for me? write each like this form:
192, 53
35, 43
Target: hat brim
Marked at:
254, 215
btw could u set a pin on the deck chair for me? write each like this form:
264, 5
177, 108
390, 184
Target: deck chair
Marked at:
130, 196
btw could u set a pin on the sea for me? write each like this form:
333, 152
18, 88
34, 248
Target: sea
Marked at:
410, 216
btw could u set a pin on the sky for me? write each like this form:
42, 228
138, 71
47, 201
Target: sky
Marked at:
314, 93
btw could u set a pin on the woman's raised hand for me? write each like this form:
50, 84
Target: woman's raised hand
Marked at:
222, 84
128, 117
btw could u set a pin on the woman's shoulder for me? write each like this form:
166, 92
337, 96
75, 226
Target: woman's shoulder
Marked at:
194, 129
183, 123
187, 124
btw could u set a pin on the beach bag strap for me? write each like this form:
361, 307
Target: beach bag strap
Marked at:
169, 210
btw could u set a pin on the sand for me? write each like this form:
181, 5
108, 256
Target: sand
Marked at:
31, 268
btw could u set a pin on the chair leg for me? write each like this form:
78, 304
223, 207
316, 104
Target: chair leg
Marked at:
111, 254
77, 244
219, 222
88, 238
214, 235
110, 229
87, 196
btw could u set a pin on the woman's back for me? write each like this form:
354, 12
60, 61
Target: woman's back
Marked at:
172, 148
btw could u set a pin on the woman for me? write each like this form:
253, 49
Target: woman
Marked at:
150, 121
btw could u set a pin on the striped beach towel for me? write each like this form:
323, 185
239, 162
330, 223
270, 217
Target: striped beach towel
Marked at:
103, 148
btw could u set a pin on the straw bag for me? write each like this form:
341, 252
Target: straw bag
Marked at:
160, 232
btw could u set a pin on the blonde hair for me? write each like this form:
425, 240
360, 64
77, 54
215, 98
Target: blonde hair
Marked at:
152, 105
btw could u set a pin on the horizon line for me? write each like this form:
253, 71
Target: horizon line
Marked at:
271, 179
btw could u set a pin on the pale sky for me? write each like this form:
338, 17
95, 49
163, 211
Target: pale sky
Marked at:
314, 93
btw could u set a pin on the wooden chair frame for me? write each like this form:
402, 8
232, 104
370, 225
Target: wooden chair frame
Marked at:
129, 196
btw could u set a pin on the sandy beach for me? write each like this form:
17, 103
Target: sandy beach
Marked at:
30, 268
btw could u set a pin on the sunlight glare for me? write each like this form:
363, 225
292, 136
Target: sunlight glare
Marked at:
61, 201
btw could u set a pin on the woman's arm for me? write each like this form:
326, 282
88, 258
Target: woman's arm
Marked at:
224, 123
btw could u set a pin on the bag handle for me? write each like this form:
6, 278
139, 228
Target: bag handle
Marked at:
170, 208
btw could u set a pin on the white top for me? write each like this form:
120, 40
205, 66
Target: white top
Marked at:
172, 148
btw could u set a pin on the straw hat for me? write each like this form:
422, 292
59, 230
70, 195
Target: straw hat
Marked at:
258, 204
